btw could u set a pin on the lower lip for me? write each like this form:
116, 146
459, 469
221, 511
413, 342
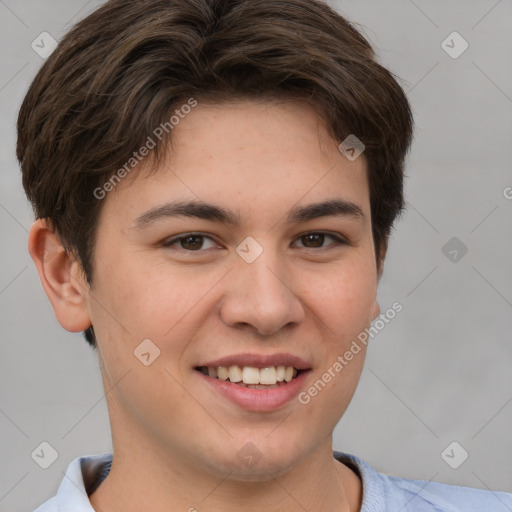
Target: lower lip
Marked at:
257, 400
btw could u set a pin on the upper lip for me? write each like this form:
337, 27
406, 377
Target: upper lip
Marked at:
259, 361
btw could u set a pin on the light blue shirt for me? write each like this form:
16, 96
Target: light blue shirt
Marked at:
381, 493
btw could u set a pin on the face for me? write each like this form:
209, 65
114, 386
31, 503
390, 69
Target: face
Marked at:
258, 281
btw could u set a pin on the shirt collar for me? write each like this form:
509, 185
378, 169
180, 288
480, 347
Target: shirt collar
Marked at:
82, 477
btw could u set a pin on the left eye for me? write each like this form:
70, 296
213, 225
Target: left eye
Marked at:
317, 239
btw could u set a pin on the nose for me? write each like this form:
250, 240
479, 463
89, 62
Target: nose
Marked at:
261, 296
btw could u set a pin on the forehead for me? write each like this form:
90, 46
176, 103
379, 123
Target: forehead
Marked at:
253, 154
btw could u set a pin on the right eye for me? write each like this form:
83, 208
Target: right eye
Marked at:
191, 242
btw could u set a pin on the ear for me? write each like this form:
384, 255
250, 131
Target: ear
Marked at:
62, 277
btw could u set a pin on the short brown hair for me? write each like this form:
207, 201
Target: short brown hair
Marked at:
120, 71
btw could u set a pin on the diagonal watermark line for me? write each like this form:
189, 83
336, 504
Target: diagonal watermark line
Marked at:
424, 14
187, 186
338, 476
91, 295
423, 77
279, 424
13, 279
487, 423
109, 313
418, 493
218, 485
227, 226
304, 195
403, 403
481, 222
494, 492
286, 491
101, 398
13, 218
422, 280
492, 81
13, 13
192, 307
423, 217
198, 402
486, 14
14, 485
493, 287
76, 14
14, 76
3, 412
345, 494
273, 478
330, 330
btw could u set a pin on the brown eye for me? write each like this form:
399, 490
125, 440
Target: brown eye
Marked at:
313, 239
191, 242
316, 240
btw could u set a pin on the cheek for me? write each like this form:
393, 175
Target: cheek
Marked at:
343, 296
136, 300
139, 299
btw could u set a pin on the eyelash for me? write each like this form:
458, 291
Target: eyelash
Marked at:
338, 240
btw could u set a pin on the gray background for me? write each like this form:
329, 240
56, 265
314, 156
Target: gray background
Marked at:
439, 372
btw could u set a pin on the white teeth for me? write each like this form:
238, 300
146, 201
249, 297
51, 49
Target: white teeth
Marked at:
223, 373
268, 375
251, 375
235, 373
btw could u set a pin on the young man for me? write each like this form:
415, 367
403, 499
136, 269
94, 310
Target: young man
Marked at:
214, 184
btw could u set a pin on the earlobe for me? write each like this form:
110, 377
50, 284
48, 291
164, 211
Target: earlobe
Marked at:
61, 276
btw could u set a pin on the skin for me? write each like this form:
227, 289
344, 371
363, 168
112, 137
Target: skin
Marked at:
176, 441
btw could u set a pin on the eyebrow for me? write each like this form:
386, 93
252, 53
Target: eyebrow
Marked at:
206, 211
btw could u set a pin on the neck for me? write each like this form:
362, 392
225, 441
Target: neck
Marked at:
144, 477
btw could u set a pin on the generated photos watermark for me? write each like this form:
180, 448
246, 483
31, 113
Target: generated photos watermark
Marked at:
343, 360
144, 150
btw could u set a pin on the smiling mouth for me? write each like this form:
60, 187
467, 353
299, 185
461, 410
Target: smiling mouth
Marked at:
251, 376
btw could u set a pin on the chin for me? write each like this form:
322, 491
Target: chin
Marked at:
254, 458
